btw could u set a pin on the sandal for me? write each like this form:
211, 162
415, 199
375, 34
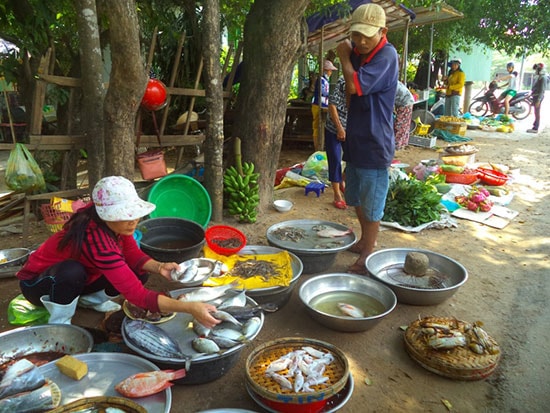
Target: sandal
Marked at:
340, 204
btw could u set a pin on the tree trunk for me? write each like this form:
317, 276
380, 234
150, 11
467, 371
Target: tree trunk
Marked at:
93, 91
274, 36
213, 154
126, 87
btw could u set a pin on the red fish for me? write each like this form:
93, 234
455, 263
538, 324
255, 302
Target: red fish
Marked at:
146, 384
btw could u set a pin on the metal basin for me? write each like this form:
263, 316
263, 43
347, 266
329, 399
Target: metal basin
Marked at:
48, 338
203, 368
11, 260
372, 296
317, 254
455, 275
275, 295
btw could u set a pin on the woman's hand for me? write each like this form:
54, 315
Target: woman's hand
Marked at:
202, 313
165, 269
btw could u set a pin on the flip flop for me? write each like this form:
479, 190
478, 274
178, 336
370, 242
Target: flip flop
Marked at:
340, 204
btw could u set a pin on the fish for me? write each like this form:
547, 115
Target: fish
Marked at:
152, 339
207, 293
205, 345
45, 397
200, 330
224, 316
21, 376
224, 342
330, 232
251, 327
238, 300
247, 312
351, 310
186, 275
227, 333
148, 383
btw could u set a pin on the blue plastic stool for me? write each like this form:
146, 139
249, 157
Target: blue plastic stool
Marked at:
316, 187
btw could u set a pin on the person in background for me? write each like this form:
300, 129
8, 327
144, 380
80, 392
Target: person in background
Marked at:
94, 258
335, 134
320, 99
370, 67
537, 93
511, 86
404, 102
454, 83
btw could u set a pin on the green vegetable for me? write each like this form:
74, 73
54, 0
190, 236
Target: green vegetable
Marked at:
452, 168
412, 202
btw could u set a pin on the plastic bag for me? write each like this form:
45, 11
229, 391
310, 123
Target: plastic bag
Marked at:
22, 171
316, 166
21, 312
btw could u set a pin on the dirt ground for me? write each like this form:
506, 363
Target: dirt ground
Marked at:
507, 289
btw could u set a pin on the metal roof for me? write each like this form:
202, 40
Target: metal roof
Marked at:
330, 33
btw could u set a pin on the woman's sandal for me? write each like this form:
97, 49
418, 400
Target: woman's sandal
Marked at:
340, 204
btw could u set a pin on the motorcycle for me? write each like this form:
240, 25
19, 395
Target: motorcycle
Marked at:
520, 105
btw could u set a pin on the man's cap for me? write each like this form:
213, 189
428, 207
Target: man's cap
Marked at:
368, 19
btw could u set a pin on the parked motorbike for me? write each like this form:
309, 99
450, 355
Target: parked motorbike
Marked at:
520, 105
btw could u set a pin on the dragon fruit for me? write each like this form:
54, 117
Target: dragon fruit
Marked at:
476, 200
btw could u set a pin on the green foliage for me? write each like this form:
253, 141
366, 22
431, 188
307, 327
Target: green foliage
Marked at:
412, 202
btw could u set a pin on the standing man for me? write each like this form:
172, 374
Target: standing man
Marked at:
511, 86
320, 100
454, 82
370, 67
537, 93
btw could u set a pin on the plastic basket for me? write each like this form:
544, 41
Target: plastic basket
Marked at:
422, 130
423, 141
464, 179
457, 128
54, 218
225, 240
492, 177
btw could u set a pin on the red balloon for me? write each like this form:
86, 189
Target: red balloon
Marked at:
154, 97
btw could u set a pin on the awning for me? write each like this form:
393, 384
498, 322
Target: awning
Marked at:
332, 24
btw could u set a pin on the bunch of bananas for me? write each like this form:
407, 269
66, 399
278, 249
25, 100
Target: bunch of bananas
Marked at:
243, 191
450, 119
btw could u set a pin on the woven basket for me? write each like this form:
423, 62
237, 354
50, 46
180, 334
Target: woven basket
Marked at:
54, 218
266, 387
457, 363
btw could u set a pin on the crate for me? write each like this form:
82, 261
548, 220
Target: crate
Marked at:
457, 128
423, 141
422, 130
54, 218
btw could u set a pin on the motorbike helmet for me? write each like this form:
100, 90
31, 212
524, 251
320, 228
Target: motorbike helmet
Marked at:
510, 65
537, 67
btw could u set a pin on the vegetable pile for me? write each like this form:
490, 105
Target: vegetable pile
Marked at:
476, 200
412, 202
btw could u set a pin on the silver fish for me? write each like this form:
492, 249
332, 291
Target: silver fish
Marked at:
186, 275
224, 342
351, 310
205, 345
251, 326
207, 293
249, 311
41, 399
152, 339
21, 376
228, 333
200, 330
224, 316
238, 300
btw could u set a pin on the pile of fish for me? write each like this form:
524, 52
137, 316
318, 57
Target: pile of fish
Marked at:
25, 389
240, 322
300, 369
